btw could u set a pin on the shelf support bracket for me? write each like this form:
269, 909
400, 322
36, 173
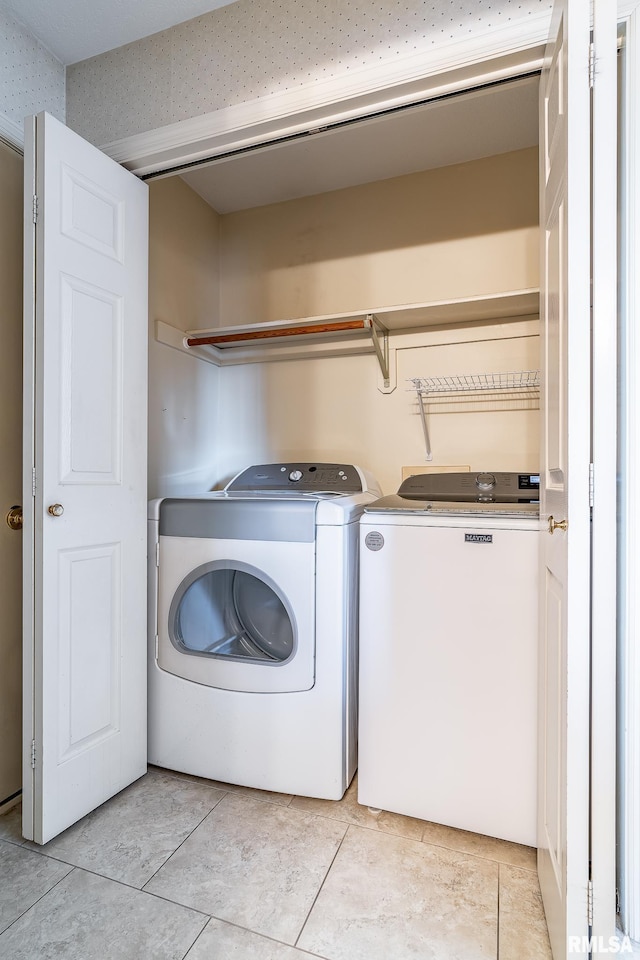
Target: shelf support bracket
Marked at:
425, 428
380, 339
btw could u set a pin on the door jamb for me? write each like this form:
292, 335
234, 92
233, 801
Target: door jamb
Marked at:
629, 520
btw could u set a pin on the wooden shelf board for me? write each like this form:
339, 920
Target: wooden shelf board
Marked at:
509, 305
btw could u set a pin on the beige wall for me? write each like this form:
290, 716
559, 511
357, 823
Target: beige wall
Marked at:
183, 291
331, 409
183, 256
11, 470
458, 231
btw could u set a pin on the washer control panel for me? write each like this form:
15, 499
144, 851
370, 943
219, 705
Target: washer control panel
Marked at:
336, 478
473, 487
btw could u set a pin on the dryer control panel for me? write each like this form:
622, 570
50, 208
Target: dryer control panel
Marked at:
335, 478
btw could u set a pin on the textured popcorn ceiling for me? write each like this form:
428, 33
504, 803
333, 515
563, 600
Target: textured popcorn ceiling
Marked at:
254, 48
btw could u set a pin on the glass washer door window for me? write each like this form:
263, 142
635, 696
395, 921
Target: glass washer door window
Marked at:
233, 612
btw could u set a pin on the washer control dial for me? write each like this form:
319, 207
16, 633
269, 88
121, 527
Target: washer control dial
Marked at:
295, 475
485, 481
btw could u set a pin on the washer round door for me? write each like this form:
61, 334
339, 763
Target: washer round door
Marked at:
232, 612
244, 621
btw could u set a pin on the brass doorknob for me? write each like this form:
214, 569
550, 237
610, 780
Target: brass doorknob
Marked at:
14, 518
56, 509
557, 524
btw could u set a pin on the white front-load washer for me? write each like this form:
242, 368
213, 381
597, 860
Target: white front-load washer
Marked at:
448, 652
253, 629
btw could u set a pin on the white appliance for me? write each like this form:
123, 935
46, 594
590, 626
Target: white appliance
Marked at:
253, 629
448, 652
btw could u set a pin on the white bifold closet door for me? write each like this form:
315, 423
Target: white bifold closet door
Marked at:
85, 462
576, 785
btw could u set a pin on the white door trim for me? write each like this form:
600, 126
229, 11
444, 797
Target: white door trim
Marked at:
485, 58
629, 630
604, 456
11, 132
29, 720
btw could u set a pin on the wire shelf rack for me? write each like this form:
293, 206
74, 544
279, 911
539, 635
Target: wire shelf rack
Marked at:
519, 381
477, 382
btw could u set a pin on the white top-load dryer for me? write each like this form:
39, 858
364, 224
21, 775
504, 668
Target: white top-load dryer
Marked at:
448, 652
253, 628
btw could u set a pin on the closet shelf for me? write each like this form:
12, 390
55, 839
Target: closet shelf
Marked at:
518, 381
345, 334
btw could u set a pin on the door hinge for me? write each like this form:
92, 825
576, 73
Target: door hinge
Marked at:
592, 65
591, 484
35, 208
590, 903
33, 754
33, 481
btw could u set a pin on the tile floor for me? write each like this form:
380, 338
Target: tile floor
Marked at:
178, 867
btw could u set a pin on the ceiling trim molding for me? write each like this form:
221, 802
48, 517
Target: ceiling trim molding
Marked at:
12, 132
486, 58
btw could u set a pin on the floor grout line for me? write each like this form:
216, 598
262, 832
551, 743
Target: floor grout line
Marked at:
263, 936
195, 940
39, 850
121, 883
45, 894
15, 843
319, 891
182, 842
